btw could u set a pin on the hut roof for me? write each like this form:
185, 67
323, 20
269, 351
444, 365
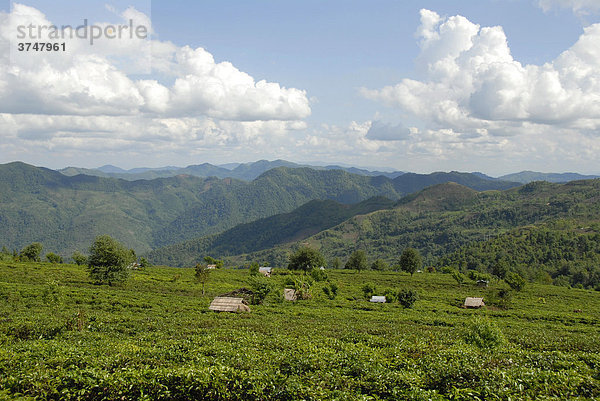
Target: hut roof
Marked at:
471, 302
227, 304
378, 299
289, 294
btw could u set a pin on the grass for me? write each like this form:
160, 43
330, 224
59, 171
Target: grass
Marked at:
153, 337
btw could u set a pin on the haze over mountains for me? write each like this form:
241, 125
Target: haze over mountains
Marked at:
241, 171
250, 171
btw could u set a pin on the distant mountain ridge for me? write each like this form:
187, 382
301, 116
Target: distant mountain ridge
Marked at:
526, 177
240, 171
250, 171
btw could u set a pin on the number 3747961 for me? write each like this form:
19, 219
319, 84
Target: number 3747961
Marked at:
41, 47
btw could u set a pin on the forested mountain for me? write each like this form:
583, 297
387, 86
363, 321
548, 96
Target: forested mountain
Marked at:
66, 213
307, 220
241, 171
525, 177
441, 219
564, 252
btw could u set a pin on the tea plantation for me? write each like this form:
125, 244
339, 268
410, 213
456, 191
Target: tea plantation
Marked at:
153, 338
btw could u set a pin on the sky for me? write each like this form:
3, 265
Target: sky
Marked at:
496, 86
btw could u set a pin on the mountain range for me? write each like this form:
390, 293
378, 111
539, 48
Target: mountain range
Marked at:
66, 213
546, 232
240, 171
250, 171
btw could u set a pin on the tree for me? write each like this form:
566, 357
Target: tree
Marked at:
108, 260
357, 261
53, 258
515, 281
306, 259
379, 265
410, 260
254, 269
31, 252
202, 275
212, 261
336, 263
79, 258
144, 263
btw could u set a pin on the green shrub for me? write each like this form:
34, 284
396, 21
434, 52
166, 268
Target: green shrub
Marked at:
407, 298
261, 287
369, 290
483, 333
54, 258
318, 275
254, 269
31, 252
515, 281
330, 290
79, 258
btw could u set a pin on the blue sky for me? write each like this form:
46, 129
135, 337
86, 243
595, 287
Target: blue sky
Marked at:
471, 85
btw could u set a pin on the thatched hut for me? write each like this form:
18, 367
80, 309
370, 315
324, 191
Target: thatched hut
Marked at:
473, 303
290, 294
227, 304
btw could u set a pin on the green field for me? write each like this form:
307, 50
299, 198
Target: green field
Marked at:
153, 338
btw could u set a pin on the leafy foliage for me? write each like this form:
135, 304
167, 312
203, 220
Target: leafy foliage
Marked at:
357, 261
514, 281
53, 258
407, 297
154, 338
483, 333
79, 258
108, 260
410, 260
31, 252
202, 275
261, 287
306, 259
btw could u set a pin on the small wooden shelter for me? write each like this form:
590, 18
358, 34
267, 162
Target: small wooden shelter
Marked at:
380, 299
228, 304
473, 303
290, 294
265, 271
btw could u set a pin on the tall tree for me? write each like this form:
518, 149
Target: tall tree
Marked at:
108, 260
31, 252
202, 275
357, 261
410, 260
306, 259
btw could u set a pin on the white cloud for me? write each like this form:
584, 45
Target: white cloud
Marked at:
471, 81
95, 80
579, 7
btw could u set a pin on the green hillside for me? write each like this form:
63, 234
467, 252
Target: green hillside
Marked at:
563, 252
66, 213
153, 338
441, 219
307, 220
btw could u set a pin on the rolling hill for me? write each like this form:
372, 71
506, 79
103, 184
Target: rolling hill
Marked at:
307, 220
66, 213
441, 219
